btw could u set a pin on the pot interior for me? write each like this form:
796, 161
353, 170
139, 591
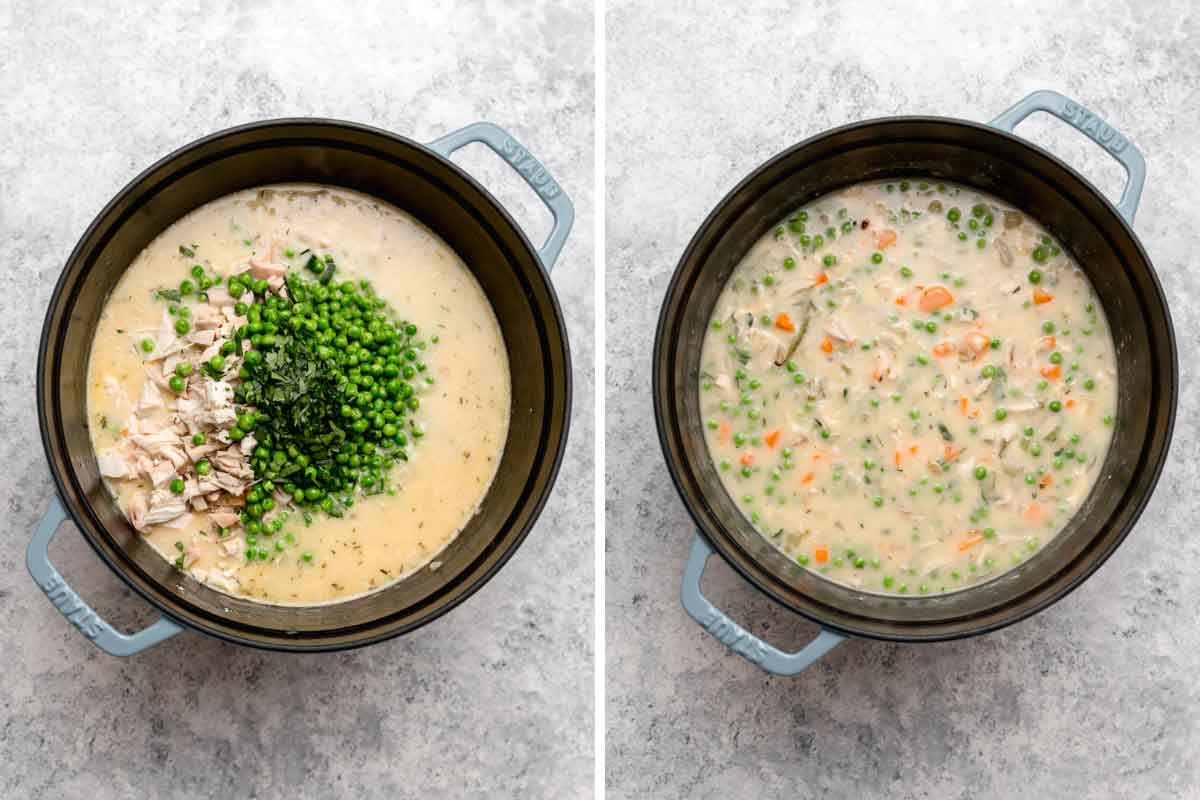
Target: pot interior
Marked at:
1078, 217
441, 196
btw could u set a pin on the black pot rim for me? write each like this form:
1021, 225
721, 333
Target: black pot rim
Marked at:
722, 544
557, 328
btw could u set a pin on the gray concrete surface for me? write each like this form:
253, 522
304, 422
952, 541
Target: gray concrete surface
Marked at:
494, 700
1096, 697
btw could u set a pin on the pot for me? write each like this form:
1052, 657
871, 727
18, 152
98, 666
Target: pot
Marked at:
418, 178
989, 158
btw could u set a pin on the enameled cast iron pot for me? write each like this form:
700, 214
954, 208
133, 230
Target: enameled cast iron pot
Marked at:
991, 159
417, 178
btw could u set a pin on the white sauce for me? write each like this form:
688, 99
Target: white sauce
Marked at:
894, 400
383, 538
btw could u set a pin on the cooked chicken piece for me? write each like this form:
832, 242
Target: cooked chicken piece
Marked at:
166, 342
164, 507
205, 317
275, 282
115, 462
234, 547
234, 462
161, 473
180, 522
153, 443
175, 455
137, 511
149, 399
248, 443
261, 268
198, 503
218, 418
195, 453
220, 296
229, 483
218, 394
224, 517
202, 338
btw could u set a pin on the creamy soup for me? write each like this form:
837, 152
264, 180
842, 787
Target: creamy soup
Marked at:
255, 301
908, 387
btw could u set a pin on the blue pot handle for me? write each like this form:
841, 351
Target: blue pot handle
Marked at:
72, 606
529, 168
1099, 131
737, 638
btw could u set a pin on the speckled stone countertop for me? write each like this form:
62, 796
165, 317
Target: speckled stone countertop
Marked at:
493, 700
1094, 698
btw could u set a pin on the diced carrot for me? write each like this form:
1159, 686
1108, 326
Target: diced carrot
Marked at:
1034, 512
885, 239
897, 458
962, 404
943, 349
827, 345
724, 431
822, 277
1070, 402
935, 297
817, 456
912, 448
772, 439
1052, 372
877, 375
1040, 298
902, 300
747, 458
969, 542
784, 322
978, 342
1047, 480
952, 452
1047, 343
821, 554
808, 478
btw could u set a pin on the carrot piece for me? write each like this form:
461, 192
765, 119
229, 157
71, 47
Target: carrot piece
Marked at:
902, 300
772, 439
827, 345
725, 430
912, 448
1047, 343
1052, 372
877, 375
1070, 402
817, 456
821, 554
808, 478
935, 297
1040, 298
943, 349
1034, 512
885, 239
969, 542
962, 404
822, 277
747, 458
951, 452
784, 322
897, 458
978, 342
1047, 480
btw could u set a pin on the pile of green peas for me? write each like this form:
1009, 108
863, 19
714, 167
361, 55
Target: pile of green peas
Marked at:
364, 368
